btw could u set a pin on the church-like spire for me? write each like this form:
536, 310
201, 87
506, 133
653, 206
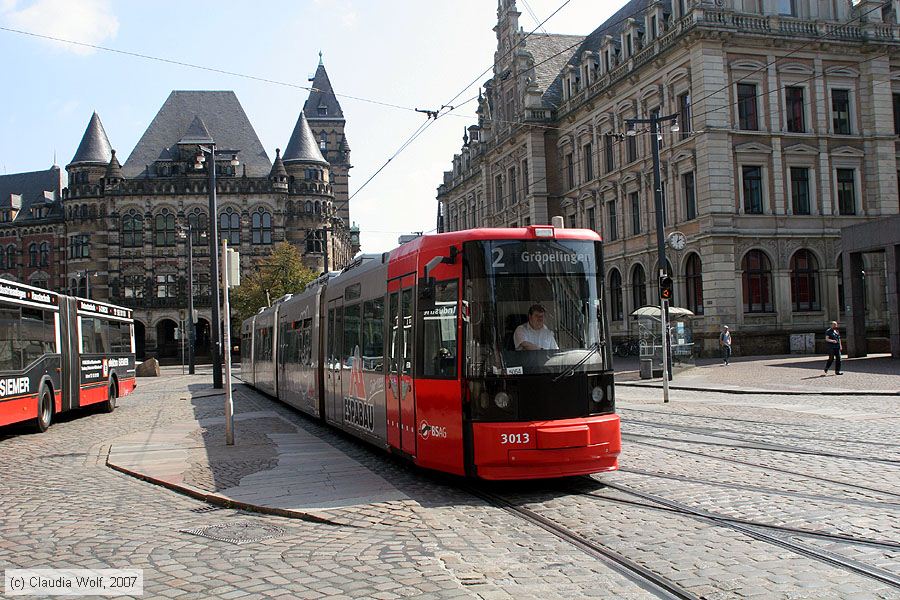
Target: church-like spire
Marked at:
322, 103
302, 147
94, 147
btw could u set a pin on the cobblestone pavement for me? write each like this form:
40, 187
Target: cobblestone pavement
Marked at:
792, 373
806, 462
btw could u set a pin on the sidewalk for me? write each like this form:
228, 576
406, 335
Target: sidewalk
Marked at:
877, 375
275, 466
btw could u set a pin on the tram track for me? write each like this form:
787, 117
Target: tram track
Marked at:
767, 448
764, 491
647, 579
768, 468
706, 418
780, 539
753, 444
685, 509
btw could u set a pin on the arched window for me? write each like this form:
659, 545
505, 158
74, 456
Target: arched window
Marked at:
33, 255
261, 227
638, 287
45, 254
757, 282
132, 230
616, 311
10, 257
84, 211
230, 225
199, 224
318, 207
164, 228
308, 207
693, 284
804, 281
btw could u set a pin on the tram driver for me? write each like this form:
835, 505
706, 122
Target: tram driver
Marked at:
533, 334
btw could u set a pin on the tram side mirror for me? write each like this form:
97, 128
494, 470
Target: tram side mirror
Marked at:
432, 264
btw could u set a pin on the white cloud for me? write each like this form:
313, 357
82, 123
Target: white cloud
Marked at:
86, 21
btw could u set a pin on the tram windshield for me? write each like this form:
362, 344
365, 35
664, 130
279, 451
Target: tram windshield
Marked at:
534, 307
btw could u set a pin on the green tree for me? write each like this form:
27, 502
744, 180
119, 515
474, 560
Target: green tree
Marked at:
280, 273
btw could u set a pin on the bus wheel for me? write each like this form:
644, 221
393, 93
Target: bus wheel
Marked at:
110, 404
45, 410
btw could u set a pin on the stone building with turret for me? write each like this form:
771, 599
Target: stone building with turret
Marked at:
788, 115
122, 228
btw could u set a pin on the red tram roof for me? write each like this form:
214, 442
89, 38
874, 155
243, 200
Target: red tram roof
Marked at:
438, 241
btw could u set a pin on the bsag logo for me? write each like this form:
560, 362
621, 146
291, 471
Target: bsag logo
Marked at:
426, 430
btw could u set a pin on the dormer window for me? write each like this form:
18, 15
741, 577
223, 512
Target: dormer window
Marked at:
654, 30
323, 111
323, 141
629, 46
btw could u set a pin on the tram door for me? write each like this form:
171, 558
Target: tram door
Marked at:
71, 357
401, 399
333, 371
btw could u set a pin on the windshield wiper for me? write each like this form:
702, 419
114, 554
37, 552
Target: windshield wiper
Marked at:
595, 348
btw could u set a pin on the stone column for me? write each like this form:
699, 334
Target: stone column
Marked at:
856, 316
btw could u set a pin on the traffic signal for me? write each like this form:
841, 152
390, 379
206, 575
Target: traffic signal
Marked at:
666, 288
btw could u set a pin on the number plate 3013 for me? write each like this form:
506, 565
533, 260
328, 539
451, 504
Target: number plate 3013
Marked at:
515, 438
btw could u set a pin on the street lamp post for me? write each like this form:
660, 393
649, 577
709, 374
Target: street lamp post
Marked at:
218, 352
188, 231
655, 136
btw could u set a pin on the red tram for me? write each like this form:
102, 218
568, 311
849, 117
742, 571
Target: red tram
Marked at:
425, 352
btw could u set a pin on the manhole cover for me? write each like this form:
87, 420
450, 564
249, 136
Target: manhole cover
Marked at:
206, 509
241, 532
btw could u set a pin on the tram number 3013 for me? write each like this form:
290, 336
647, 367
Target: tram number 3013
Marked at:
514, 438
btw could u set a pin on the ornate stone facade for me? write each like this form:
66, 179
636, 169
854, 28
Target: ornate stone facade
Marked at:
124, 228
788, 113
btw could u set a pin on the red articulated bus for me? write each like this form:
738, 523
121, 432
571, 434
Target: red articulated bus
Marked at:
480, 353
58, 353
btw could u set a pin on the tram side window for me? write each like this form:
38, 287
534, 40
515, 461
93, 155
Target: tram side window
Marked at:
26, 334
10, 359
439, 326
351, 334
119, 337
306, 343
373, 334
94, 336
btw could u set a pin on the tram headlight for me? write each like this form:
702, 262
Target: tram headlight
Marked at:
502, 400
597, 394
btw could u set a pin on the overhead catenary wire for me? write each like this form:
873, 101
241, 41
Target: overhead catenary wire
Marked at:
180, 63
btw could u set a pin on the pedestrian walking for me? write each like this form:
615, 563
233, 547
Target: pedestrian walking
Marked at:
725, 344
833, 342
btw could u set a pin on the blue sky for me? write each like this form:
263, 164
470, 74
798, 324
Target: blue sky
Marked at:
405, 52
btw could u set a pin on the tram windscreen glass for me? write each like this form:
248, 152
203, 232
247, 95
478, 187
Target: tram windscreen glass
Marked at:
534, 307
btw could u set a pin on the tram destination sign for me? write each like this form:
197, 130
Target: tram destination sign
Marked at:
532, 256
17, 293
106, 310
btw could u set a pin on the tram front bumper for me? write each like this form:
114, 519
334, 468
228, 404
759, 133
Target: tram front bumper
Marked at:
542, 449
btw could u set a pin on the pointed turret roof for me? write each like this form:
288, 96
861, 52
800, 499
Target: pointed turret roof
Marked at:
196, 133
94, 147
322, 104
223, 119
278, 169
114, 169
303, 147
